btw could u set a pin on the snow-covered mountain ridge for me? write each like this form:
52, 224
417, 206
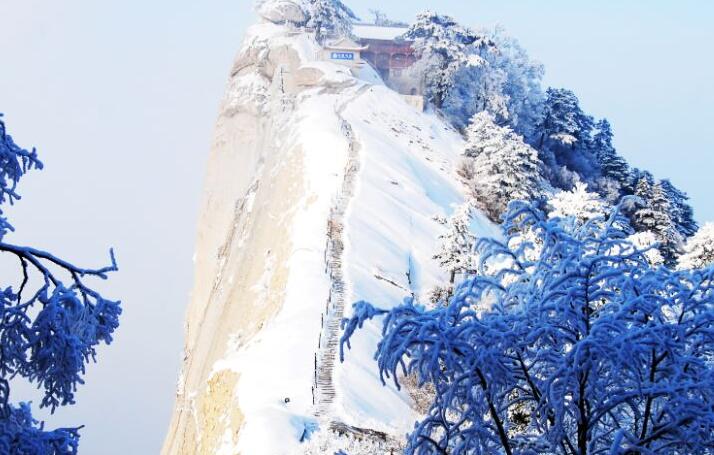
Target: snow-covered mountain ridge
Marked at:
321, 190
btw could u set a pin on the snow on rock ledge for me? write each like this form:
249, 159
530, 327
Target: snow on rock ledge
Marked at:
281, 11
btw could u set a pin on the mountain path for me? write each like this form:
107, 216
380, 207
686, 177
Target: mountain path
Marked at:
324, 392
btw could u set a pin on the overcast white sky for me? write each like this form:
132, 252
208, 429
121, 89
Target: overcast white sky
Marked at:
120, 99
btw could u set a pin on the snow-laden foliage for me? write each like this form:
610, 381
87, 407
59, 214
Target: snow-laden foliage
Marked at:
587, 349
564, 138
647, 242
329, 18
499, 166
467, 71
14, 163
612, 165
680, 211
655, 214
21, 434
445, 47
699, 249
456, 255
328, 442
580, 204
50, 324
508, 86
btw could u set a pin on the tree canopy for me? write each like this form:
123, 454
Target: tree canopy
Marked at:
585, 349
51, 321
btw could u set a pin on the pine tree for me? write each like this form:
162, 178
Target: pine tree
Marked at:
328, 18
699, 249
456, 254
501, 167
484, 136
563, 138
611, 164
681, 212
643, 219
655, 215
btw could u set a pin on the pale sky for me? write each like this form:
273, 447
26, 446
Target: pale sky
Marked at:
120, 100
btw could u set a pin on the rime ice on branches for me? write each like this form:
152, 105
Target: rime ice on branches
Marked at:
50, 323
586, 348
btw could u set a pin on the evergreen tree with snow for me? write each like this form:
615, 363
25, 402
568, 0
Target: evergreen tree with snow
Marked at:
563, 137
499, 166
445, 47
655, 215
612, 166
586, 350
643, 184
456, 255
508, 86
579, 204
680, 211
51, 322
643, 217
699, 249
329, 18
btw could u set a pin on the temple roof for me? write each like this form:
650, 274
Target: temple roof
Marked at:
346, 44
378, 32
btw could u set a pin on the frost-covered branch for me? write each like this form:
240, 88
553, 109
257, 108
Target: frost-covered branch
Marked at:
586, 348
49, 337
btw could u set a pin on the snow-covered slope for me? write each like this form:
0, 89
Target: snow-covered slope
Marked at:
320, 191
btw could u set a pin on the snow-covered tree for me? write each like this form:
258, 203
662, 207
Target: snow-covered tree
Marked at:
612, 166
680, 211
578, 204
329, 18
564, 123
586, 350
643, 184
522, 84
647, 242
456, 255
445, 47
655, 215
500, 167
508, 87
51, 322
699, 249
563, 137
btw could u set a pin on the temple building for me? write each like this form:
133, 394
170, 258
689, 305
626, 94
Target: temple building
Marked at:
391, 56
345, 51
386, 51
383, 48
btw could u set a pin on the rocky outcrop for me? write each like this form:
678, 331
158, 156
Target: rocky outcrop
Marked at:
281, 11
252, 186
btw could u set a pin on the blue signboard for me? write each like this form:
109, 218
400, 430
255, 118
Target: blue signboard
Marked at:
342, 56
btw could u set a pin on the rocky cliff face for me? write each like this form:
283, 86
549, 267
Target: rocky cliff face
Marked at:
320, 191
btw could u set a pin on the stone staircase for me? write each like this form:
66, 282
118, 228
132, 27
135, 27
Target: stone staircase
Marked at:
329, 339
